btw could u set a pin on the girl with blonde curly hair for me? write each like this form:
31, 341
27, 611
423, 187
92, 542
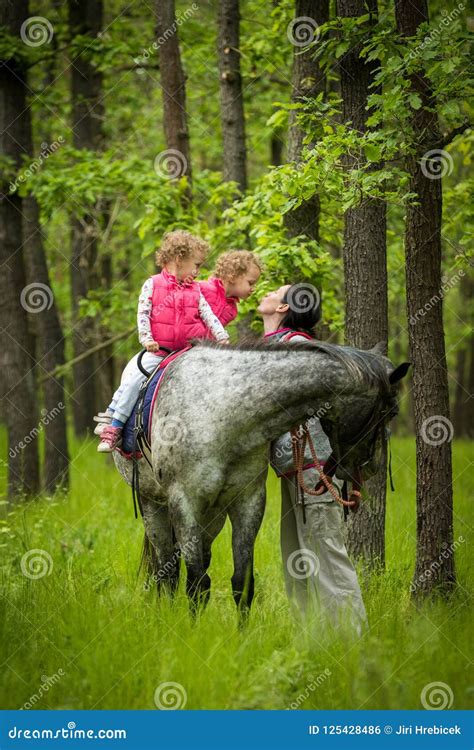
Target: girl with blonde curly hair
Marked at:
172, 310
235, 276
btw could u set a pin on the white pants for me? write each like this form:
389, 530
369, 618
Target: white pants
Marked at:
319, 576
125, 397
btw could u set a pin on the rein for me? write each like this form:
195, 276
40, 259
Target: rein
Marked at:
298, 446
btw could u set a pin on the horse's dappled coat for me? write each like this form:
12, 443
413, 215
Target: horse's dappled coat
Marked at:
219, 408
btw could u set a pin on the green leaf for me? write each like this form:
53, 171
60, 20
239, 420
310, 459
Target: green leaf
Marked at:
415, 101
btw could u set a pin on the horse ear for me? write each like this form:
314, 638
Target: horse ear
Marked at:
379, 348
399, 372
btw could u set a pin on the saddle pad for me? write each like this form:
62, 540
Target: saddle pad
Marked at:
128, 434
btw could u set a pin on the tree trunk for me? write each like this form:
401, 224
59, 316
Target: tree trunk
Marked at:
85, 18
365, 281
434, 569
232, 102
176, 160
276, 149
50, 353
17, 344
49, 336
308, 81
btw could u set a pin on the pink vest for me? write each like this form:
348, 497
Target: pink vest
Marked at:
175, 315
225, 308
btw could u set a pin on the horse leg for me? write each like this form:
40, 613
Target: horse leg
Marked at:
213, 526
246, 517
190, 540
159, 553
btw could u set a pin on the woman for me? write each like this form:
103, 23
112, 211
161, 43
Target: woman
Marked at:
319, 576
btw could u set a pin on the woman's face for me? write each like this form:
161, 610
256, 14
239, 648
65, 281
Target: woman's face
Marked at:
273, 302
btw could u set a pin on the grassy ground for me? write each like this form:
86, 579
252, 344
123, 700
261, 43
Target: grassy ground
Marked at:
104, 642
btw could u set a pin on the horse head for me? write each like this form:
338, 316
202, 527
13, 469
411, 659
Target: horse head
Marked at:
358, 429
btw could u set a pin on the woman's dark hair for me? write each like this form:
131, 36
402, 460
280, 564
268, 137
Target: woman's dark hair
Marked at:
304, 312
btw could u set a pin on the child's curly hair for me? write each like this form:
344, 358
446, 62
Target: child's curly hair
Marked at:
179, 245
235, 263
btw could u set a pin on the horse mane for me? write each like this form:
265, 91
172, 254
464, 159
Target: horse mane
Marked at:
359, 363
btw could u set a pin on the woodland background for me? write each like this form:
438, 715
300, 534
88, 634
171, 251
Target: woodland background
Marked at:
334, 139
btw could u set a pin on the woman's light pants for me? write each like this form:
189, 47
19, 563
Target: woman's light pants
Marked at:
319, 575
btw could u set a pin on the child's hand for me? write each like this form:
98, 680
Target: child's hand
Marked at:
152, 346
224, 341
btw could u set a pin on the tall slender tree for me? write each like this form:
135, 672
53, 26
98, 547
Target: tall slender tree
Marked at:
49, 342
173, 86
85, 20
434, 494
17, 345
47, 325
308, 81
365, 276
232, 102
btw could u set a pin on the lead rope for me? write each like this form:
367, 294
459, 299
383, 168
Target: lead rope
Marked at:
392, 486
298, 447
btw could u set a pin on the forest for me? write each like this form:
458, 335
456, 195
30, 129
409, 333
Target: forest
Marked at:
333, 138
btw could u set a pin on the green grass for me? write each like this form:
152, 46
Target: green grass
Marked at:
115, 643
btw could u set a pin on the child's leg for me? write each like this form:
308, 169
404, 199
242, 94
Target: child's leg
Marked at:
126, 394
113, 403
124, 400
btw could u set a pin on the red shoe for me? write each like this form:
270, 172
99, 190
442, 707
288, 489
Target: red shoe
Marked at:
110, 439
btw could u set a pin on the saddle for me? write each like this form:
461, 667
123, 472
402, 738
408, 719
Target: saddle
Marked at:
137, 430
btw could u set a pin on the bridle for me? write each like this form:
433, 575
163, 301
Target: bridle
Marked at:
300, 437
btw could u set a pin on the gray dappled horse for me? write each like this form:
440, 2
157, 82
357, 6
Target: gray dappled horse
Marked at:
216, 413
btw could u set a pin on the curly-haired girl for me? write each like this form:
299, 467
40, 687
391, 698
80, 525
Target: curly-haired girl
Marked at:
171, 311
